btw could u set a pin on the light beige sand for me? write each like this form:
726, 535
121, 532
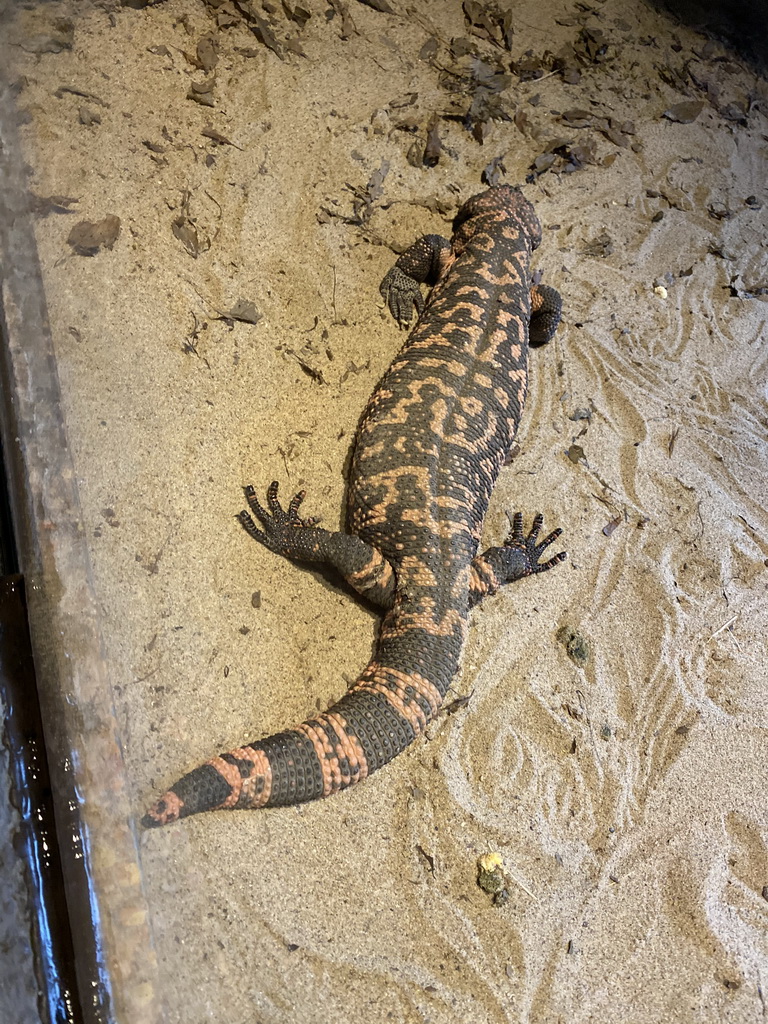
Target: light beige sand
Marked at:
628, 797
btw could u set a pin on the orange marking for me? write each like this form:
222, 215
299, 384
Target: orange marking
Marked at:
460, 586
450, 365
172, 808
351, 748
231, 774
322, 747
243, 790
404, 704
485, 585
262, 771
375, 567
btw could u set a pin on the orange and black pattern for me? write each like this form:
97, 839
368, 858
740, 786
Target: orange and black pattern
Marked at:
428, 450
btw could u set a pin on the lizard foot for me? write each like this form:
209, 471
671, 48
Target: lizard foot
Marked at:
526, 549
279, 525
520, 556
401, 293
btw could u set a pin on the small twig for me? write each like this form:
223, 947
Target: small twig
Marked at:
535, 81
724, 626
525, 888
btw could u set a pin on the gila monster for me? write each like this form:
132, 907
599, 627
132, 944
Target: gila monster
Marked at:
427, 453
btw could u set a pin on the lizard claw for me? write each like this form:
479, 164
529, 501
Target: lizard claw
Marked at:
528, 546
277, 522
401, 293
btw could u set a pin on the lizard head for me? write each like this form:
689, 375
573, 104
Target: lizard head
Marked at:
500, 204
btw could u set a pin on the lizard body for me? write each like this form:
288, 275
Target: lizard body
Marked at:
427, 453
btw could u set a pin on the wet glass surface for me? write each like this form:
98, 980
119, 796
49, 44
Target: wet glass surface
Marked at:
107, 913
18, 986
35, 840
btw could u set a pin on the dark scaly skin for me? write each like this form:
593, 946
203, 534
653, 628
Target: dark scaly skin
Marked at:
428, 451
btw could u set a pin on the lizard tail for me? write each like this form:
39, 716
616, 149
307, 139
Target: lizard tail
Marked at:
378, 718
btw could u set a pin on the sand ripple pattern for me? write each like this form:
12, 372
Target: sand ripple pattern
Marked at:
627, 796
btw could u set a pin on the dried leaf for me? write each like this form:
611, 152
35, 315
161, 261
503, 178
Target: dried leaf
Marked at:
543, 162
505, 26
601, 246
185, 229
260, 28
377, 5
481, 130
364, 197
571, 75
347, 24
87, 237
617, 138
245, 311
578, 156
478, 17
428, 52
685, 112
308, 368
434, 144
300, 15
427, 857
611, 525
735, 112
489, 22
716, 249
490, 78
186, 232
376, 181
675, 77
672, 439
293, 45
456, 705
211, 133
407, 101
578, 118
74, 91
89, 117
207, 55
461, 46
415, 154
592, 45
202, 92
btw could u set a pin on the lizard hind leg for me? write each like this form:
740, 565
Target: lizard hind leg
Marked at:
283, 531
278, 524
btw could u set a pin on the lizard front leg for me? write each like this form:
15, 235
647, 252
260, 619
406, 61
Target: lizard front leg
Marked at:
546, 310
424, 262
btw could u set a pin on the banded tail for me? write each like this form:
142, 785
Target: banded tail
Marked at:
375, 721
